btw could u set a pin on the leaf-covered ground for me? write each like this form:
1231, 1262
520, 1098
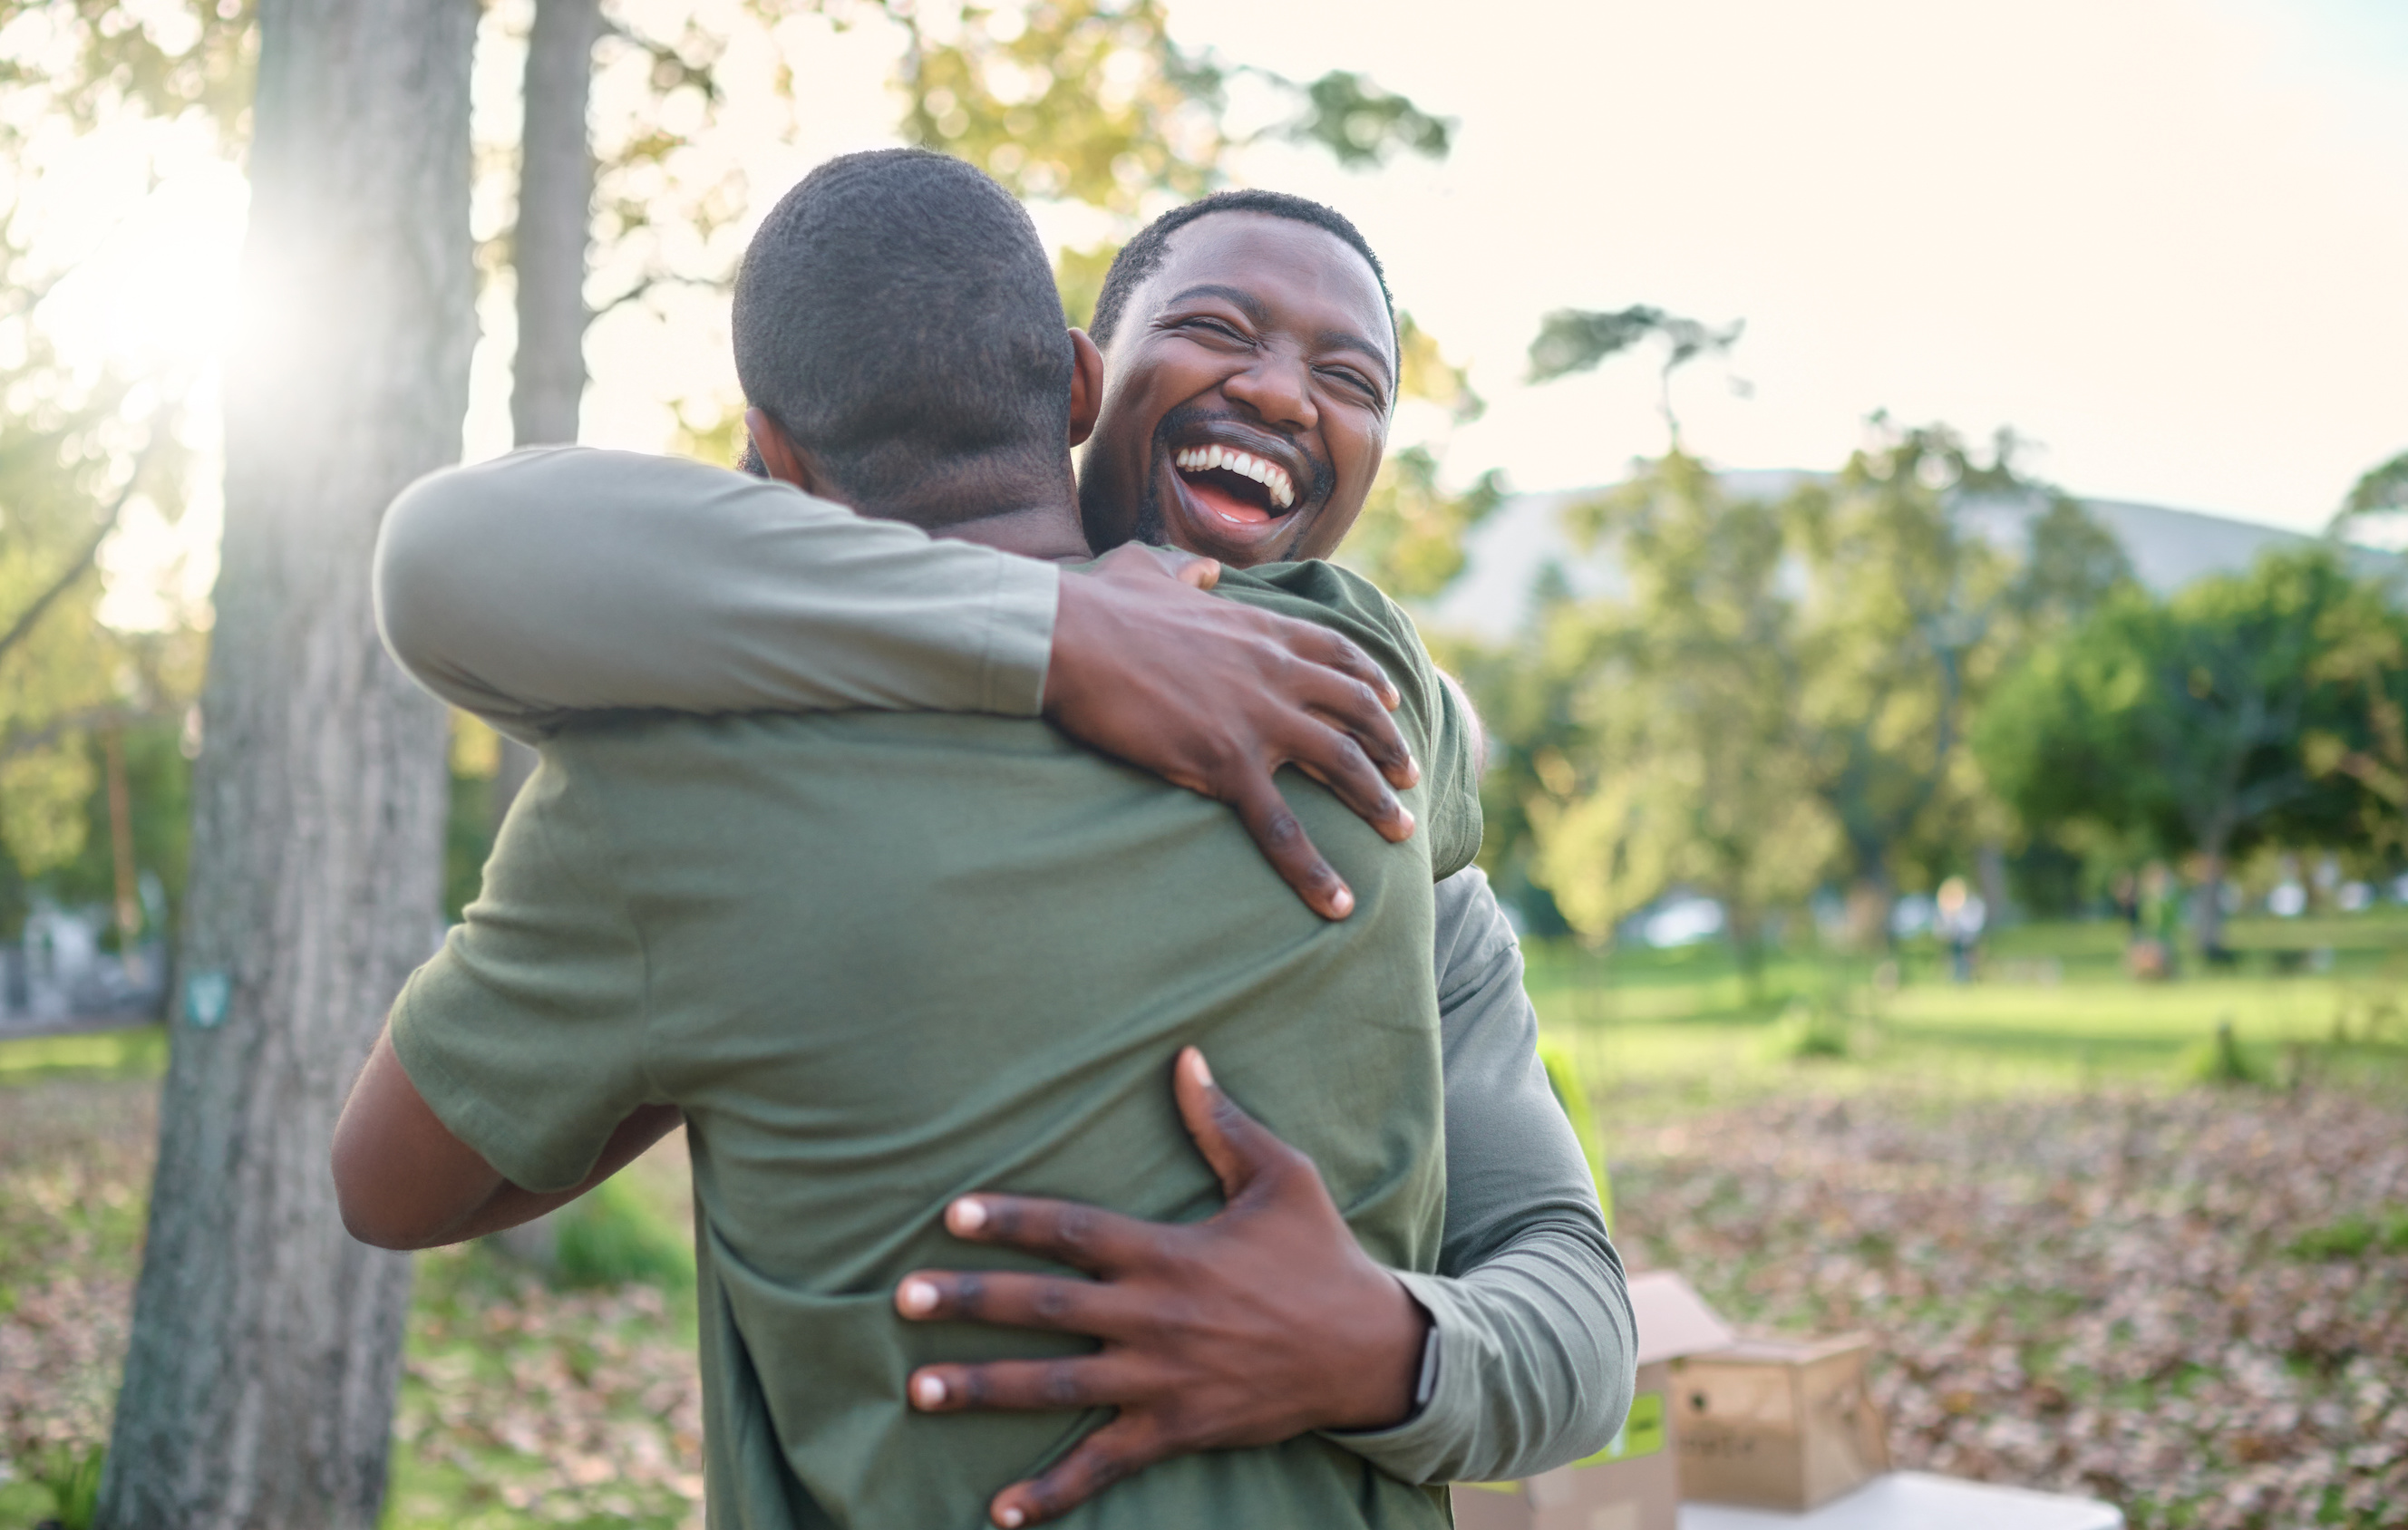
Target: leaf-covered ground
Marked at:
2194, 1305
2114, 1293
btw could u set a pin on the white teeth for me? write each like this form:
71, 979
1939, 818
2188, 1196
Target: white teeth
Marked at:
1269, 475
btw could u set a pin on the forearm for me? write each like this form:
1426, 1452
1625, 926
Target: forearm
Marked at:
561, 581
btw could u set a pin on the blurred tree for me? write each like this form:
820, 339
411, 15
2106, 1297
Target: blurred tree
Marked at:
266, 1343
1679, 761
1577, 339
82, 444
2181, 725
2376, 502
1910, 609
2365, 652
1409, 539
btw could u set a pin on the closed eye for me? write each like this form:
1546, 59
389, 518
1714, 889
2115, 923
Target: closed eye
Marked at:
1224, 330
1355, 380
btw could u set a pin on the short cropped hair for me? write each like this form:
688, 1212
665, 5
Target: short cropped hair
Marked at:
896, 317
1143, 256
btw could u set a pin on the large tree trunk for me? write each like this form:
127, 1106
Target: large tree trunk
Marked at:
555, 216
260, 1386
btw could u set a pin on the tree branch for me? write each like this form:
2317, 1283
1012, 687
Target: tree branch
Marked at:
75, 570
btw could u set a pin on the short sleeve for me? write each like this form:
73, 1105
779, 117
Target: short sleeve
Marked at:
525, 1033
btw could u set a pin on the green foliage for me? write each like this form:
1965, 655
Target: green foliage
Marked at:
1409, 540
1675, 760
2353, 1236
2222, 1060
26, 1504
2382, 491
2178, 726
1570, 1088
1576, 341
1809, 1031
2365, 639
1092, 101
93, 57
1363, 125
612, 1235
61, 1489
1911, 615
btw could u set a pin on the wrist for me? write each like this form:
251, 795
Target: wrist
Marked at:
1383, 1388
1067, 659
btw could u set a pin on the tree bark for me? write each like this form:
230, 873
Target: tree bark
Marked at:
555, 219
266, 1354
556, 214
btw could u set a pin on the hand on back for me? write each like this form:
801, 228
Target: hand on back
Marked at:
1216, 696
1252, 1326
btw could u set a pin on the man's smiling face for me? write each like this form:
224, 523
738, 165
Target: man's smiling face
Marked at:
1246, 396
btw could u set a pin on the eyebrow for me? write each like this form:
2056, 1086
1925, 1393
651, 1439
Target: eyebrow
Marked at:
1252, 306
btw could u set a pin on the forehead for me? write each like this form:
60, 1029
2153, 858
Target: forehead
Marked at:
1303, 276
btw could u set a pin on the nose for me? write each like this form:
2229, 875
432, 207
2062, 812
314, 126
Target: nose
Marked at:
1278, 388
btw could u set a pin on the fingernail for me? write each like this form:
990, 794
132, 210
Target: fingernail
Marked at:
969, 1216
1011, 1517
1203, 1068
1405, 816
1413, 769
918, 1296
928, 1390
1342, 901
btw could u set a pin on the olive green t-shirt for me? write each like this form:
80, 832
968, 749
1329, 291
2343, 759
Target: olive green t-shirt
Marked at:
881, 960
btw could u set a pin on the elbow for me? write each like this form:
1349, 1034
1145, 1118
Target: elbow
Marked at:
365, 1216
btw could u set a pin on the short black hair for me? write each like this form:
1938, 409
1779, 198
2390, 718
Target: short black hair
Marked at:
1142, 255
897, 318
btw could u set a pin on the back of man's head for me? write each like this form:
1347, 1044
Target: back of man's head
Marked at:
896, 317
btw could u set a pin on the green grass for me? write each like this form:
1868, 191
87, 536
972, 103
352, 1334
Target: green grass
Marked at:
139, 1052
2051, 1010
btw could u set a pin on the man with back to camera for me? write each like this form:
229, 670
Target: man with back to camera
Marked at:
1537, 1331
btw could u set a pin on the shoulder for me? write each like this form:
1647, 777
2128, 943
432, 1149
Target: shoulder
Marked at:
1338, 597
1437, 718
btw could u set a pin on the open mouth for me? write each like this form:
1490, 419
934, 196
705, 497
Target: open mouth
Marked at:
1236, 485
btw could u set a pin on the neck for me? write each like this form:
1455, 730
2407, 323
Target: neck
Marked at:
1051, 532
1016, 512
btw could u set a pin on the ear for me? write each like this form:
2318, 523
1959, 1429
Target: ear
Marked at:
1086, 386
786, 462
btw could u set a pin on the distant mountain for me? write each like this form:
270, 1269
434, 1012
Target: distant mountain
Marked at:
1506, 556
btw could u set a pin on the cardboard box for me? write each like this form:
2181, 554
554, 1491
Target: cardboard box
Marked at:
1634, 1484
1777, 1423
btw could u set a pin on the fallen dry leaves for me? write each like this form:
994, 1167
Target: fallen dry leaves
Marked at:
2082, 1292
2086, 1293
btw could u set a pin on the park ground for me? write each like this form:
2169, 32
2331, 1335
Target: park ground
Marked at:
2100, 1250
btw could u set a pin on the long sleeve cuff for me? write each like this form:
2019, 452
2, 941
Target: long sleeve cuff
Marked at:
1535, 1365
1020, 636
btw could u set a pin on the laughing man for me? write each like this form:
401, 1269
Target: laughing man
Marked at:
1248, 366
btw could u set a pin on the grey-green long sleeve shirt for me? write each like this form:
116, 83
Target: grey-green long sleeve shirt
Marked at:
565, 580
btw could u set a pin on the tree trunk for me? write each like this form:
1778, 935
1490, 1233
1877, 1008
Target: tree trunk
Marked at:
2207, 918
556, 213
265, 1353
555, 218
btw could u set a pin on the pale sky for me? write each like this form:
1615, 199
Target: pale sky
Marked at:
2165, 239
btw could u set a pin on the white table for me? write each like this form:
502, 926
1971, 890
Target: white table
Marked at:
1914, 1500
